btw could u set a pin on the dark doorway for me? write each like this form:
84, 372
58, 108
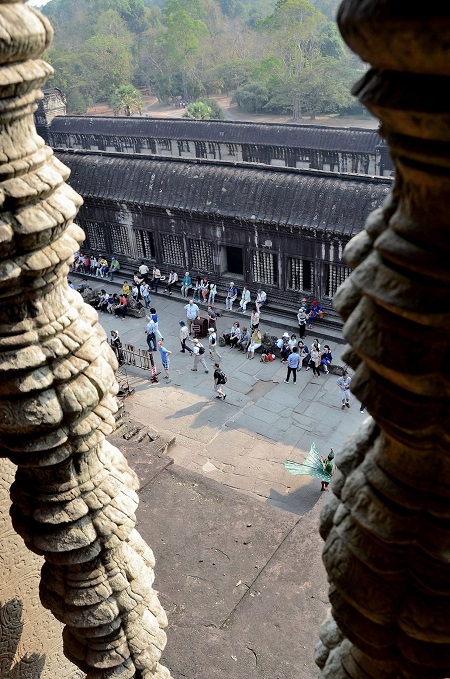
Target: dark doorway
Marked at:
235, 262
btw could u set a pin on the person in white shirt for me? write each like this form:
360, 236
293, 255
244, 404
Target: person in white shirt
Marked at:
212, 341
94, 265
261, 299
344, 386
155, 279
212, 293
199, 355
231, 296
173, 280
192, 312
245, 299
143, 270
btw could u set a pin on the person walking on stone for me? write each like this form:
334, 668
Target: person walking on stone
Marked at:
156, 277
344, 386
184, 335
219, 379
199, 355
154, 317
292, 363
165, 353
254, 319
150, 331
212, 342
192, 312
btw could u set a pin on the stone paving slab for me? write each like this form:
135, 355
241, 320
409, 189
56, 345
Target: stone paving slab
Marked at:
242, 582
259, 406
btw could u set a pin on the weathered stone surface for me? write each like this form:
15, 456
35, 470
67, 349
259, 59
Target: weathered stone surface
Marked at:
387, 527
74, 497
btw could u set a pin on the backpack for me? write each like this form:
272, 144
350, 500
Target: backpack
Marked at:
222, 378
201, 350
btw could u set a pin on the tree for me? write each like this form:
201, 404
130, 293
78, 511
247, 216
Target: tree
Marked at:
127, 99
252, 97
198, 110
325, 87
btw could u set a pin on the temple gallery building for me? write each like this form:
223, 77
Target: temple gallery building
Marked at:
280, 228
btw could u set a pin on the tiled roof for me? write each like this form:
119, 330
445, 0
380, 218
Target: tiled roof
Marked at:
289, 198
318, 137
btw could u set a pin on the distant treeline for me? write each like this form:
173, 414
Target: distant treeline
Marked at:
283, 56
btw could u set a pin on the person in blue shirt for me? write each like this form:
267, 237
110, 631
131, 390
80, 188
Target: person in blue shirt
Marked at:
165, 353
292, 362
326, 358
186, 284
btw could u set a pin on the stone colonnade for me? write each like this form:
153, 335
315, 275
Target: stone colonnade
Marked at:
74, 497
387, 523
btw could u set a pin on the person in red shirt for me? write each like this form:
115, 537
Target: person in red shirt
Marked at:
121, 308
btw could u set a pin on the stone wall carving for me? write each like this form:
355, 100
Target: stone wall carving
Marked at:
386, 525
74, 497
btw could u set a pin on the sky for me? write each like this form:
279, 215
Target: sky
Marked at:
37, 3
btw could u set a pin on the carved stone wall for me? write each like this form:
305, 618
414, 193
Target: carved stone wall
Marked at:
74, 497
30, 637
387, 523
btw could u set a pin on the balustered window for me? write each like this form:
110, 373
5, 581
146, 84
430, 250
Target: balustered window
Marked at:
335, 274
265, 267
145, 244
164, 144
95, 235
201, 255
183, 147
173, 250
300, 274
120, 240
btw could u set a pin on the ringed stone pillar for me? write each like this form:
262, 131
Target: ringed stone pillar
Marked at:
387, 523
74, 497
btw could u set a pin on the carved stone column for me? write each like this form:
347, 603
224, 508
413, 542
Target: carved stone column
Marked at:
74, 497
387, 525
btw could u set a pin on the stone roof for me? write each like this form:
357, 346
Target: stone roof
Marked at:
308, 199
320, 137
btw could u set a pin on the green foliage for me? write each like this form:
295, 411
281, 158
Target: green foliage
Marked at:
127, 100
198, 110
269, 53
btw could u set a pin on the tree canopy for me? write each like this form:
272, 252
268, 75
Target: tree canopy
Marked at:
272, 55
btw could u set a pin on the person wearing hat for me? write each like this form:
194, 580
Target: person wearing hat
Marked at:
302, 318
232, 293
199, 355
212, 342
184, 335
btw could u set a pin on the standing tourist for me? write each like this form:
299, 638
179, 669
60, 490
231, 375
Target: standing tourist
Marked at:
212, 293
199, 355
145, 294
165, 353
192, 312
304, 355
344, 386
302, 318
154, 317
212, 318
184, 335
292, 363
219, 379
314, 361
150, 331
186, 284
212, 342
116, 345
94, 265
156, 277
144, 271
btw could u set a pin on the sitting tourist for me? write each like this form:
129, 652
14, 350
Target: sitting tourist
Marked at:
235, 335
255, 343
245, 339
326, 358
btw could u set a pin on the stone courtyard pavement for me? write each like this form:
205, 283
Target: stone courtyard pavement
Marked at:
241, 442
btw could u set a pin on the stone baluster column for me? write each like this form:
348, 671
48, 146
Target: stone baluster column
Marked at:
387, 523
74, 497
